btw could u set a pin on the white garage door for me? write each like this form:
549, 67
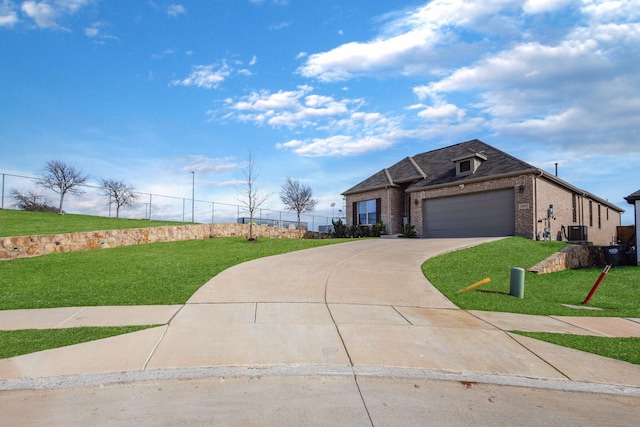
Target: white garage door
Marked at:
485, 214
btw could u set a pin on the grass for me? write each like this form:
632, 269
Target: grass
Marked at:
22, 223
160, 273
627, 349
15, 343
543, 294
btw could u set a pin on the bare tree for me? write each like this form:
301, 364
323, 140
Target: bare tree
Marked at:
32, 201
119, 193
297, 197
252, 195
63, 179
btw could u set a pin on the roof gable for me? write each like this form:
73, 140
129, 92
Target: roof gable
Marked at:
438, 167
374, 182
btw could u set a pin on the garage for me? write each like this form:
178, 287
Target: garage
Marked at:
485, 214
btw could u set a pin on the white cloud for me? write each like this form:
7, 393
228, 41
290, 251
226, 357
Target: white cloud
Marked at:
202, 164
544, 6
97, 31
8, 15
205, 76
526, 65
279, 26
296, 108
276, 2
405, 43
339, 145
42, 13
175, 10
350, 131
581, 91
46, 13
442, 111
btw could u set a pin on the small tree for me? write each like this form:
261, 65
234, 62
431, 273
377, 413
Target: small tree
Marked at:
297, 197
119, 193
253, 196
63, 179
32, 201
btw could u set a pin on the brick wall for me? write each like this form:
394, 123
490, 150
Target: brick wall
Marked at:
601, 222
392, 206
533, 194
30, 246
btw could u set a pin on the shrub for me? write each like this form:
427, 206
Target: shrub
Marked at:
340, 230
378, 229
33, 202
409, 231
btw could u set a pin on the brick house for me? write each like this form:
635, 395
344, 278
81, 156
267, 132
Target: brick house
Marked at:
472, 189
634, 199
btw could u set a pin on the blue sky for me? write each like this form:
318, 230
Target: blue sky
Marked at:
325, 92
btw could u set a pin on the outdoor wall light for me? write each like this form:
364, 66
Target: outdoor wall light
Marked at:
521, 188
416, 202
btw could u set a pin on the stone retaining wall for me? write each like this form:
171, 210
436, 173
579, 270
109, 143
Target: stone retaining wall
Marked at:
31, 246
572, 256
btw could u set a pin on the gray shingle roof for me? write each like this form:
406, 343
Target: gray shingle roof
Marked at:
439, 169
631, 198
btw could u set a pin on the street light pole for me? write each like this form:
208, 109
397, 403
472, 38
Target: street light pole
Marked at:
193, 196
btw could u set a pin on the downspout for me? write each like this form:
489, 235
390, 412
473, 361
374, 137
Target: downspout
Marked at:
387, 186
388, 211
535, 202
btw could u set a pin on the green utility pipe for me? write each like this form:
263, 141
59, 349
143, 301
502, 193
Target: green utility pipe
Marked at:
517, 282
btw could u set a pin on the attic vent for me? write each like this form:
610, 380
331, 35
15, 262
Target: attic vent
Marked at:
468, 164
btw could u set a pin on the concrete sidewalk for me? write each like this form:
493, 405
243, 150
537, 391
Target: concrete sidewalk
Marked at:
360, 309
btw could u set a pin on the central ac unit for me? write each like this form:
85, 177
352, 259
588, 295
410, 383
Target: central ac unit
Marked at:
578, 233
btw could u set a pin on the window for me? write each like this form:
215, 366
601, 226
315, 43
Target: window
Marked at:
590, 213
367, 212
574, 208
599, 218
468, 164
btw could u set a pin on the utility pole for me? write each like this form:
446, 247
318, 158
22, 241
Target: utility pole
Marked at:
193, 196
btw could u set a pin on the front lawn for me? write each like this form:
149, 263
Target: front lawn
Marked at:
543, 294
15, 343
627, 349
153, 274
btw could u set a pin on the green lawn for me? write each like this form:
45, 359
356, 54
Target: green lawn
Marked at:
160, 273
15, 343
627, 349
543, 294
23, 223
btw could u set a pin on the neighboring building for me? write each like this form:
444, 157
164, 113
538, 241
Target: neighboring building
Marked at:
634, 199
472, 189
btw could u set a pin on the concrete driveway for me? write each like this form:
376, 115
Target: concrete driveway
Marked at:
333, 328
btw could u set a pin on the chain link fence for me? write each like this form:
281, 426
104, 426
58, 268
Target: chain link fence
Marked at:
158, 207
